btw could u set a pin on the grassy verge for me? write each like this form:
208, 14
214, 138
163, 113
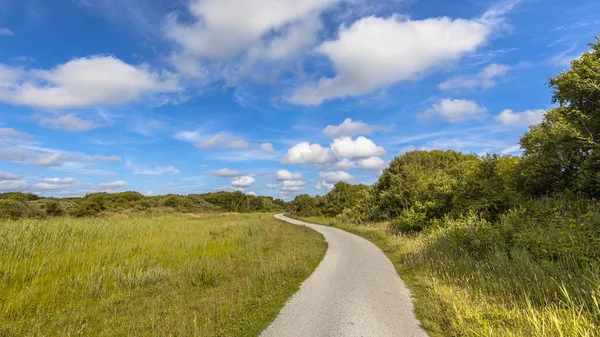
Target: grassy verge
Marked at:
206, 275
458, 294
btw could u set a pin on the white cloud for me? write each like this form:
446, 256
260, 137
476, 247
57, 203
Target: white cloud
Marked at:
15, 185
511, 149
218, 141
225, 172
50, 184
307, 153
322, 185
360, 148
272, 186
267, 148
245, 181
115, 185
70, 122
350, 128
295, 37
224, 28
251, 193
282, 175
343, 164
56, 159
108, 159
225, 142
376, 52
12, 133
8, 176
293, 183
487, 78
527, 117
6, 32
87, 82
455, 110
336, 176
373, 163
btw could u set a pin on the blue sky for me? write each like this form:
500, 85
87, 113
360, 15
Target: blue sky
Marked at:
273, 97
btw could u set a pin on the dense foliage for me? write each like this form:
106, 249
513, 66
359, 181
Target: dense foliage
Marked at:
16, 205
495, 245
516, 197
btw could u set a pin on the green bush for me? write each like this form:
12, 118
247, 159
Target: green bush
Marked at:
179, 203
13, 209
88, 207
53, 208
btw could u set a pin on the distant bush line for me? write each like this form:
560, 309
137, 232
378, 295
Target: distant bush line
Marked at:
17, 205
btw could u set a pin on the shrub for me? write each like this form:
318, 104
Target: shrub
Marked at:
53, 208
12, 209
89, 207
177, 202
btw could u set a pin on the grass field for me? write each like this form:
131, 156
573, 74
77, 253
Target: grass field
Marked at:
457, 294
168, 275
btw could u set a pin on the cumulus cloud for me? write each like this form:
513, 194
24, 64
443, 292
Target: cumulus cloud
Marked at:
336, 176
308, 153
50, 184
454, 110
267, 148
527, 117
372, 163
487, 78
343, 164
361, 147
222, 29
244, 181
272, 186
293, 38
108, 159
13, 185
322, 185
293, 185
350, 128
87, 82
8, 176
376, 52
225, 172
70, 122
251, 193
282, 175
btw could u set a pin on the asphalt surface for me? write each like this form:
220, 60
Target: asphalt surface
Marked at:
355, 291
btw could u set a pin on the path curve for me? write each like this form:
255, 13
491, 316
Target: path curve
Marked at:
355, 291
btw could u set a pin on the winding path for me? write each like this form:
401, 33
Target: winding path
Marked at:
355, 291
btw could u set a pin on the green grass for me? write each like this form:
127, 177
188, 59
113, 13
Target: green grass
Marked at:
207, 275
456, 294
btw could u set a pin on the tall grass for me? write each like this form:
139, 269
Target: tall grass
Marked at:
496, 293
208, 275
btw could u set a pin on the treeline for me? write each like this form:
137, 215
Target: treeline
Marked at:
544, 201
16, 205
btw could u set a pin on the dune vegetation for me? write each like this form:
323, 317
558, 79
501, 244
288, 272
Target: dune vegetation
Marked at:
493, 245
138, 275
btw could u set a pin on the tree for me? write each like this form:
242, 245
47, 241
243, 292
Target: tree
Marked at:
343, 196
421, 181
563, 152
